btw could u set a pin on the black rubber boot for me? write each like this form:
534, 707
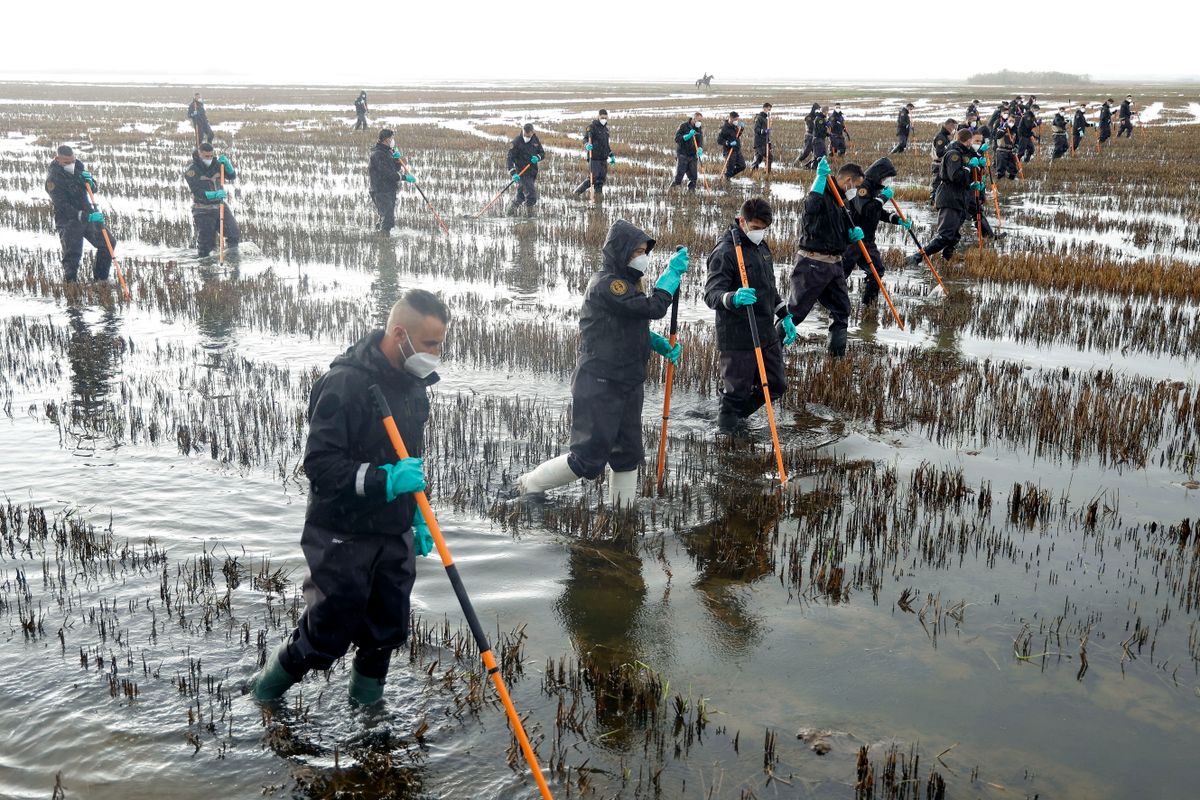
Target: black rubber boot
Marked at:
837, 343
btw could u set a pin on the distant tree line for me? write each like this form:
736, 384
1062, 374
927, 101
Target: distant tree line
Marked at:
1006, 76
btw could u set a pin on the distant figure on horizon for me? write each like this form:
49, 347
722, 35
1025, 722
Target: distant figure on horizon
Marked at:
706, 81
360, 112
199, 118
903, 127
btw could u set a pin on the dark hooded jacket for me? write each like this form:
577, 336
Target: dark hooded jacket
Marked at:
903, 122
1126, 110
1105, 116
521, 153
597, 136
1079, 122
866, 207
820, 126
724, 278
614, 323
825, 227
1027, 127
383, 170
729, 132
67, 192
196, 111
762, 129
347, 442
940, 142
360, 104
686, 148
810, 117
1059, 124
201, 179
955, 187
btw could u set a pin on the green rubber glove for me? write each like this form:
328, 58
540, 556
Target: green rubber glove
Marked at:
516, 178
886, 193
789, 329
979, 186
688, 136
410, 178
856, 234
977, 162
662, 345
224, 159
422, 538
983, 148
219, 194
744, 297
87, 178
588, 147
96, 216
396, 154
612, 159
823, 173
404, 477
534, 159
669, 281
906, 224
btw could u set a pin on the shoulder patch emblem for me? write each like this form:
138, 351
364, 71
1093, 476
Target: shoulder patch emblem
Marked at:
862, 192
618, 287
955, 157
49, 186
191, 173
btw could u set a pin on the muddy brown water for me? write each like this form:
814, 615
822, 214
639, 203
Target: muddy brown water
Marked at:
934, 595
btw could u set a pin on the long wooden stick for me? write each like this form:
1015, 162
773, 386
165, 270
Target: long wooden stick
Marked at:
762, 367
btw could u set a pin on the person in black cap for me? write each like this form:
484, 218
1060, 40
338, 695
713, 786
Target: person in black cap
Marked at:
360, 111
903, 128
525, 151
386, 174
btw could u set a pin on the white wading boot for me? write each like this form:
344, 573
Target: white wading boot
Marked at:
622, 488
546, 476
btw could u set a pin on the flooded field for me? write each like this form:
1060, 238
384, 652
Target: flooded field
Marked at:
983, 579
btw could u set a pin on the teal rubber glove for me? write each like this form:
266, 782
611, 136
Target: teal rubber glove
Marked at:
422, 538
789, 329
688, 136
856, 234
977, 163
612, 159
410, 178
588, 147
823, 173
224, 159
744, 297
669, 281
396, 154
534, 159
88, 179
219, 194
734, 143
404, 477
662, 345
983, 148
96, 216
516, 178
979, 186
886, 193
906, 224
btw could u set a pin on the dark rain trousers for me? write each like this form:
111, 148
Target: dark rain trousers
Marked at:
71, 236
606, 425
741, 385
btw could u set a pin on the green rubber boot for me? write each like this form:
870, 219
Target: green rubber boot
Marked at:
273, 680
363, 690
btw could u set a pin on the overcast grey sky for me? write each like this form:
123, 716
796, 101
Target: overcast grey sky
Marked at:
394, 43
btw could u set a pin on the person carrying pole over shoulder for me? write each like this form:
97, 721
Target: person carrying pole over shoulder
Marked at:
362, 528
818, 275
608, 387
599, 155
730, 140
741, 390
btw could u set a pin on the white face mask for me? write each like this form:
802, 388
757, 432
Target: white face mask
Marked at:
640, 264
206, 161
756, 236
422, 365
697, 123
603, 120
70, 168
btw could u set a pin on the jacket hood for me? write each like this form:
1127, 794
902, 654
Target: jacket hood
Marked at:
365, 355
877, 173
623, 238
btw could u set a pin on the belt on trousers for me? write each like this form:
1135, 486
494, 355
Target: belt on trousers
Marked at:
823, 257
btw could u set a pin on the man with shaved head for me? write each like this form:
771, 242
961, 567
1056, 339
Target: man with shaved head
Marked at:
362, 529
